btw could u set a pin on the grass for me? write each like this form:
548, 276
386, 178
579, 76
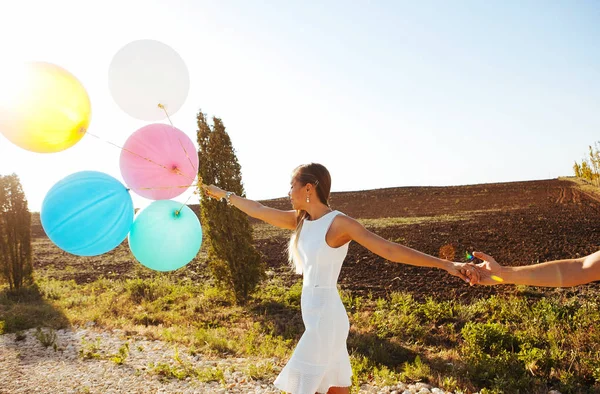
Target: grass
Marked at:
29, 308
120, 357
46, 337
90, 350
262, 370
501, 344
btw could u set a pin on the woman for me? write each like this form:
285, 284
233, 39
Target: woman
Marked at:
557, 273
320, 363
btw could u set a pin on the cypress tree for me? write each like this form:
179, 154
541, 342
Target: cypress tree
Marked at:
233, 260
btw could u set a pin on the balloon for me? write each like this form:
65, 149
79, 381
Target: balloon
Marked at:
165, 235
87, 213
157, 160
146, 73
43, 107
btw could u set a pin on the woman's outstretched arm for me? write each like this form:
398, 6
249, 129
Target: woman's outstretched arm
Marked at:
353, 230
275, 217
557, 273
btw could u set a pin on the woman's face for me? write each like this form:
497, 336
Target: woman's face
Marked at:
295, 194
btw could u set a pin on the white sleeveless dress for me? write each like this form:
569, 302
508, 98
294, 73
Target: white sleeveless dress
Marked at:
321, 359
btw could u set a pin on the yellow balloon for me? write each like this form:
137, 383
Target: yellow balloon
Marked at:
43, 107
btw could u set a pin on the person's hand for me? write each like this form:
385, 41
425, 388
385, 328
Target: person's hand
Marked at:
467, 272
214, 191
489, 271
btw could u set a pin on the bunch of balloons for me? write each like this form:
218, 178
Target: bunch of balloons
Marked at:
45, 109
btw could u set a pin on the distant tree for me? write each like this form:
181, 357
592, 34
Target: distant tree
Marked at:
233, 259
15, 233
589, 169
577, 170
586, 170
594, 156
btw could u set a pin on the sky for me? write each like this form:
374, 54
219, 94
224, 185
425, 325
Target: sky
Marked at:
383, 93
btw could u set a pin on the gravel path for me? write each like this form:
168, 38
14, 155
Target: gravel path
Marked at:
80, 362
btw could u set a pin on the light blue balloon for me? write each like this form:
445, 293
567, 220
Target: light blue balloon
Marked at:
165, 235
87, 213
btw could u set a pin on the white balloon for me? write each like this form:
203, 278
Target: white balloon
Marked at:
145, 75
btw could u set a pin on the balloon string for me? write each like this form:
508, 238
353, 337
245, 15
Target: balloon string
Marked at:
176, 170
188, 156
182, 205
172, 187
165, 187
161, 106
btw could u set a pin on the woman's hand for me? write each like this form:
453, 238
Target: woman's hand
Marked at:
465, 271
214, 191
490, 272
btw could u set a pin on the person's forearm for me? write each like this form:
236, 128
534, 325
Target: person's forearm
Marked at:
250, 207
559, 273
406, 255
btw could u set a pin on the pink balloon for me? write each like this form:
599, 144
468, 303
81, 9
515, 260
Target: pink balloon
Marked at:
159, 162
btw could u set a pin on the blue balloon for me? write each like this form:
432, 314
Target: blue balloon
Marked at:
165, 236
87, 213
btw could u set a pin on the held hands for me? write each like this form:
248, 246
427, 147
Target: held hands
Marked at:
489, 272
467, 272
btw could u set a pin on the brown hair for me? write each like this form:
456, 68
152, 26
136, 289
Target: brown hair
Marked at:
317, 175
